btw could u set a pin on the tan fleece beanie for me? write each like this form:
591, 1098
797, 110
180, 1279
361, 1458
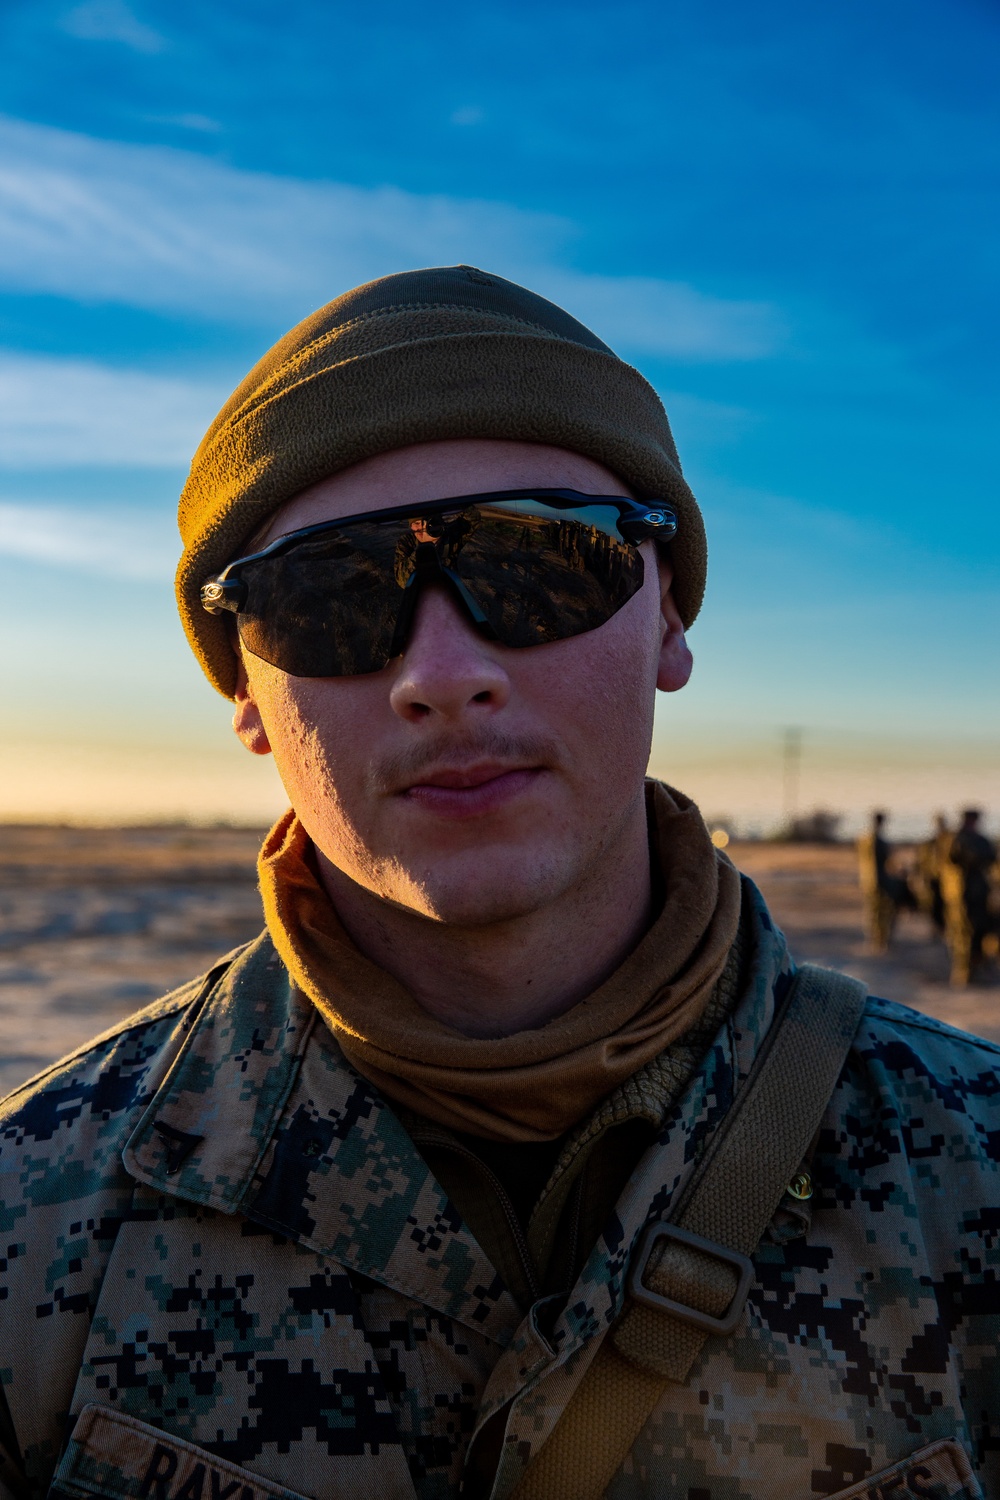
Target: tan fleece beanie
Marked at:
444, 353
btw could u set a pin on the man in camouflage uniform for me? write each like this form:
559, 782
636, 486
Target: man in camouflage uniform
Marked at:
885, 894
966, 886
881, 907
358, 1212
932, 856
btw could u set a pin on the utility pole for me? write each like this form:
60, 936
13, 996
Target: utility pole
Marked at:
791, 768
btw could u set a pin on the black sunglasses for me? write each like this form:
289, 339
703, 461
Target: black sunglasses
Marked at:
530, 567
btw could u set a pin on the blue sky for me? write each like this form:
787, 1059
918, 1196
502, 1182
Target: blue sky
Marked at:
786, 215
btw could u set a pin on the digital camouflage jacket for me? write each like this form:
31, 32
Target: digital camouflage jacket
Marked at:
227, 1274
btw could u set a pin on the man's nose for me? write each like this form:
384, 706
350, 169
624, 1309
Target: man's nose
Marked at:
447, 668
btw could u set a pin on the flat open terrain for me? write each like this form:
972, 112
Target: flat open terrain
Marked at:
95, 923
812, 890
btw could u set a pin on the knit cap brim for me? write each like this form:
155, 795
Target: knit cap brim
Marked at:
445, 353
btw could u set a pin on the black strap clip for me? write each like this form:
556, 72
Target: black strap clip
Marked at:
641, 1293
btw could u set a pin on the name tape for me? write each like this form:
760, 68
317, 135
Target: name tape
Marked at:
939, 1472
114, 1455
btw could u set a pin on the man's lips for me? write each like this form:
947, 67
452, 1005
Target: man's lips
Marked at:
462, 778
469, 791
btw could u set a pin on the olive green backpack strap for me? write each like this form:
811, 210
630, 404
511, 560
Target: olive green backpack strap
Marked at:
689, 1278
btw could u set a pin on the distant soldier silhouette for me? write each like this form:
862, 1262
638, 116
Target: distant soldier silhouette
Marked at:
932, 856
884, 894
965, 886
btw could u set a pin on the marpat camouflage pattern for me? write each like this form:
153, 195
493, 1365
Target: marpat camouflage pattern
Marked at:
227, 1274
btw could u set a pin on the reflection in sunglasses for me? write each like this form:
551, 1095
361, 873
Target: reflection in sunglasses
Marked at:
338, 603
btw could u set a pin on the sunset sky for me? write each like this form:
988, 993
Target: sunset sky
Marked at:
786, 215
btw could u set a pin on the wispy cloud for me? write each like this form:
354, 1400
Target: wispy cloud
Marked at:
111, 21
66, 412
122, 545
204, 124
665, 317
171, 230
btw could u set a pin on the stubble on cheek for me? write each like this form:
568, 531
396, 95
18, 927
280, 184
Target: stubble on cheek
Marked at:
330, 785
350, 807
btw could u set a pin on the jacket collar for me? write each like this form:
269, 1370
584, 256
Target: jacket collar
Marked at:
261, 1114
212, 1119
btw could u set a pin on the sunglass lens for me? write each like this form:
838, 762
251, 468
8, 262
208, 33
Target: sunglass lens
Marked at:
327, 607
543, 575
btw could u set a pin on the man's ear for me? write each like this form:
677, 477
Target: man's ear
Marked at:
247, 722
676, 660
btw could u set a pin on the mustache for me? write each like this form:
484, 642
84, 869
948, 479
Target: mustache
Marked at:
405, 767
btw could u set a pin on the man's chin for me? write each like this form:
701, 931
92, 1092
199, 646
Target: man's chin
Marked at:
488, 892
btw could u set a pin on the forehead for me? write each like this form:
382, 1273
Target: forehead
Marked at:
435, 471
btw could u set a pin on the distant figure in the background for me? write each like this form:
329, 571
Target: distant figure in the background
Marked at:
965, 887
885, 894
932, 856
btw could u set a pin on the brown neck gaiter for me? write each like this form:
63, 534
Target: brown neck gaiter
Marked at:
533, 1085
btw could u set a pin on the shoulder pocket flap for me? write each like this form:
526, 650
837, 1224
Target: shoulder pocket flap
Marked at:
114, 1455
939, 1472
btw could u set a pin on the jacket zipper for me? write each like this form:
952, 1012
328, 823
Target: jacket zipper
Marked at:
513, 1222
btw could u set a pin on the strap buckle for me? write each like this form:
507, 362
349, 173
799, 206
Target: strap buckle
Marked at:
641, 1293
